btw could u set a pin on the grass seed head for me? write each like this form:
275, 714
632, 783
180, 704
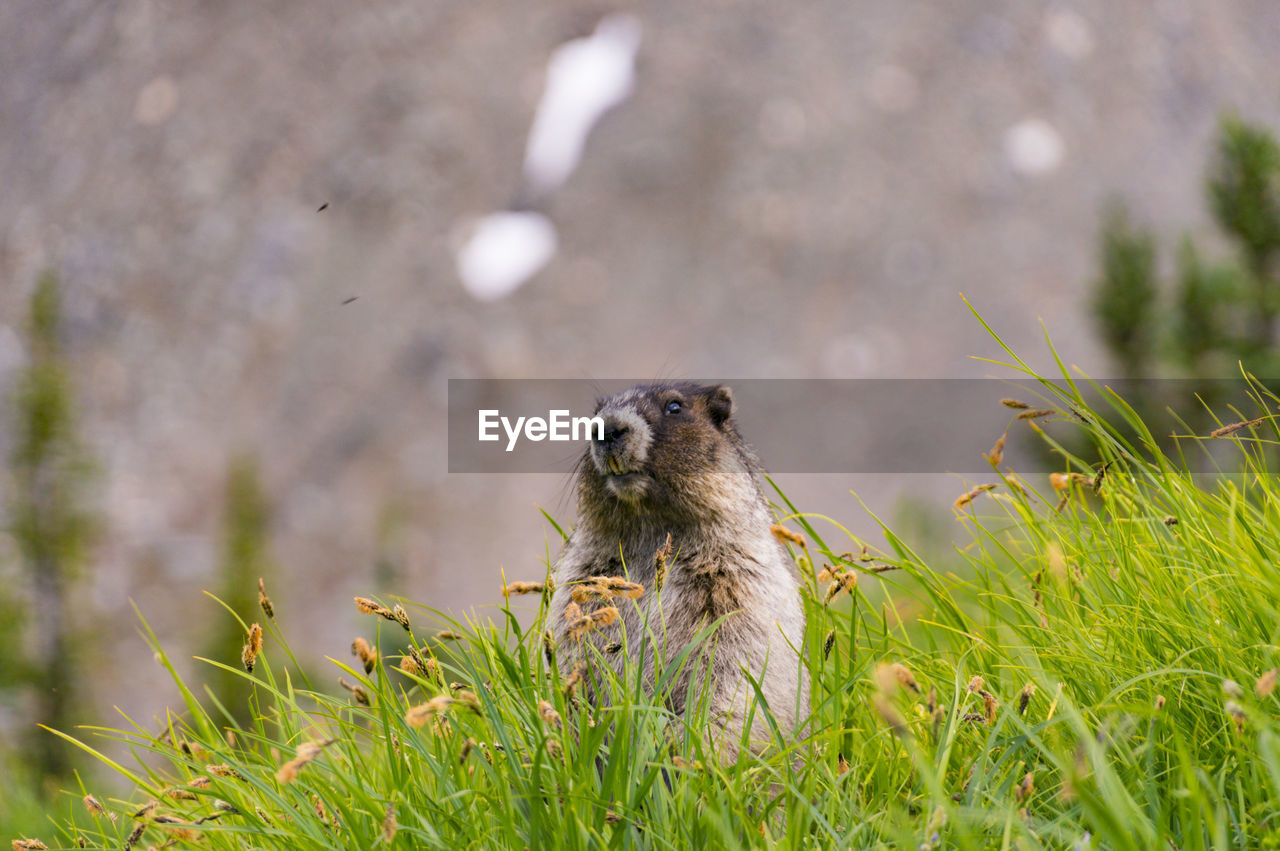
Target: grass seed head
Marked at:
1159, 702
989, 706
1024, 697
522, 588
661, 561
321, 812
782, 533
976, 684
621, 587
1231, 688
179, 829
305, 754
1266, 683
1026, 788
903, 675
548, 646
357, 692
448, 635
1232, 428
1038, 413
224, 770
410, 665
389, 824
549, 715
605, 616
828, 643
400, 616
252, 647
264, 601
996, 456
28, 844
588, 591
363, 651
368, 607
94, 806
1015, 404
579, 623
575, 677
135, 835
193, 749
844, 581
1236, 711
972, 494
417, 716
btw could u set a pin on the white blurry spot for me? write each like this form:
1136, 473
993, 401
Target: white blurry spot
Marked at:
893, 88
156, 101
504, 250
1068, 33
586, 77
1033, 147
781, 123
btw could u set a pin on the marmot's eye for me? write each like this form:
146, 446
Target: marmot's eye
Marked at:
673, 407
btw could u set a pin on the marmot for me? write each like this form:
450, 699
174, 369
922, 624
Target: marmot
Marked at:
670, 466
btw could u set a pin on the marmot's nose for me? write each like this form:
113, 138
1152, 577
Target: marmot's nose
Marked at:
613, 432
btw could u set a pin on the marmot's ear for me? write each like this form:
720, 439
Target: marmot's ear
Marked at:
720, 404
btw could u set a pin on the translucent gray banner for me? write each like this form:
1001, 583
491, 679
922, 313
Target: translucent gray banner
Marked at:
862, 426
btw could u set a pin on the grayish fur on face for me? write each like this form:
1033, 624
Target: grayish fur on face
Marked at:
688, 474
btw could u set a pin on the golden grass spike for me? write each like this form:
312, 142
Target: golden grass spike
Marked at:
264, 601
1232, 428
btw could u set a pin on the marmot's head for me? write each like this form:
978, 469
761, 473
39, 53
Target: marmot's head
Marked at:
667, 449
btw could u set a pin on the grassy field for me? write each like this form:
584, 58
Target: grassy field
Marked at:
1096, 670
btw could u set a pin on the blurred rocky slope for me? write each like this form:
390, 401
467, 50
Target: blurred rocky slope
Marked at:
794, 190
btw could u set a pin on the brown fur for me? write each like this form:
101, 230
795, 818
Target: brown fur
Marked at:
687, 474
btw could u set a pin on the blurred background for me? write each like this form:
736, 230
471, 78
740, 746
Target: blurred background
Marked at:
237, 383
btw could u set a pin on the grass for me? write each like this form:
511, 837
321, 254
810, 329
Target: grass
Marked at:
1098, 674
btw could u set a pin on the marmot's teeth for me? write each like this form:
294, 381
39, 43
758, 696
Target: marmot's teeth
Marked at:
615, 466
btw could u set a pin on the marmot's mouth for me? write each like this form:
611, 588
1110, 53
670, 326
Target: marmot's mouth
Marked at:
615, 467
